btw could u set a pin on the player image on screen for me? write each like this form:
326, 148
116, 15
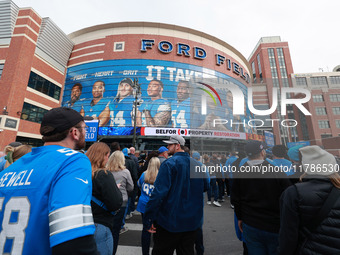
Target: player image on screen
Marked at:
122, 105
180, 109
155, 112
214, 111
74, 102
98, 108
229, 109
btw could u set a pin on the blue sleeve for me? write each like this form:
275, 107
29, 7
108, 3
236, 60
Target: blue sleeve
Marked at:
2, 164
162, 186
70, 196
141, 180
271, 162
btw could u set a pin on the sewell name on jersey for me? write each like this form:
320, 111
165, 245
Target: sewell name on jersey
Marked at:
12, 179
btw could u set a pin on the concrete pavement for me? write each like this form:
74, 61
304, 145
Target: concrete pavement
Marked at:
218, 233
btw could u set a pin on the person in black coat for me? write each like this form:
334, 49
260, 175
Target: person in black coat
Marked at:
301, 203
256, 191
131, 165
106, 197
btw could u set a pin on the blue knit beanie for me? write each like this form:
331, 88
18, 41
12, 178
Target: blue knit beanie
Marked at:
293, 153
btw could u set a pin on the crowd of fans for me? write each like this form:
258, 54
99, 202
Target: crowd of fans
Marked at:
285, 201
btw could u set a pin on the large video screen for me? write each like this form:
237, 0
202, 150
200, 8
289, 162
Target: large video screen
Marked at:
154, 93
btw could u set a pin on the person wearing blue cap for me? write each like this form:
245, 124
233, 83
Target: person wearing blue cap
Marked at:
125, 152
295, 156
163, 154
293, 153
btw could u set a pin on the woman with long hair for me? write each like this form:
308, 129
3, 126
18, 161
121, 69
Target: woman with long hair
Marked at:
116, 165
106, 197
150, 155
14, 153
145, 183
310, 210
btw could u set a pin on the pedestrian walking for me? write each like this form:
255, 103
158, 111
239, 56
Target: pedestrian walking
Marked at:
175, 209
106, 197
310, 210
116, 165
255, 195
146, 185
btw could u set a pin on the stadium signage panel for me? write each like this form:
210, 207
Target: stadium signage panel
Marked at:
186, 50
91, 130
107, 90
193, 133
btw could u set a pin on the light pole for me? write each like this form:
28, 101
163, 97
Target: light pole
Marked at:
136, 87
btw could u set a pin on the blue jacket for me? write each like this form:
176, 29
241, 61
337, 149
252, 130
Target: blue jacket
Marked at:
229, 164
176, 203
285, 165
146, 191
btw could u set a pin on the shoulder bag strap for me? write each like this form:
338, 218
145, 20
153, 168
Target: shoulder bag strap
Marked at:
325, 209
321, 215
102, 205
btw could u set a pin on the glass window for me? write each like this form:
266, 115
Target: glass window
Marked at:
318, 98
1, 68
259, 65
321, 80
304, 127
323, 124
32, 113
323, 136
283, 69
30, 141
254, 71
273, 68
44, 86
334, 79
337, 123
334, 97
301, 81
336, 110
320, 111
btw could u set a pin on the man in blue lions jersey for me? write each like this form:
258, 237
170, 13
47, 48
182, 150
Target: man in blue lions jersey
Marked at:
99, 106
180, 109
155, 112
45, 195
122, 105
